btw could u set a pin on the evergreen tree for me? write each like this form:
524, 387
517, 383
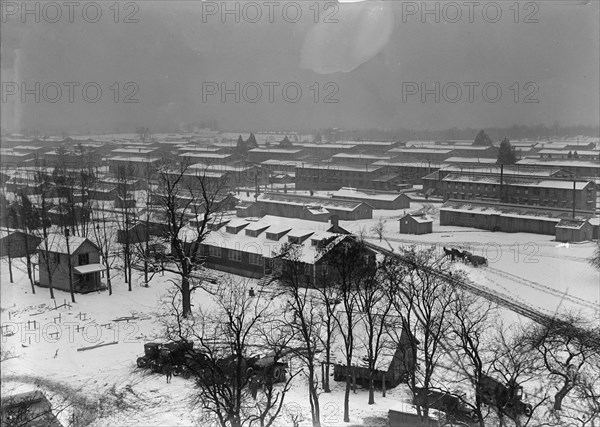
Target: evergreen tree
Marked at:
251, 142
285, 143
482, 139
241, 145
507, 154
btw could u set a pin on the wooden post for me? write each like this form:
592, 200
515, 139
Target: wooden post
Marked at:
383, 383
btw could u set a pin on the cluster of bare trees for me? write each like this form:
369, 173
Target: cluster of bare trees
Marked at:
450, 340
227, 331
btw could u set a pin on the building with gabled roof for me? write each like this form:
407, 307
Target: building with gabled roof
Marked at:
84, 257
250, 246
309, 207
416, 223
375, 199
573, 230
494, 216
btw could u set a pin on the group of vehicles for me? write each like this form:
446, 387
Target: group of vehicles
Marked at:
505, 398
184, 360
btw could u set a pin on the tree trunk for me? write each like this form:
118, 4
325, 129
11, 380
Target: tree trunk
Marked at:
71, 286
10, 268
29, 272
371, 389
108, 283
315, 410
185, 295
327, 365
558, 398
49, 272
28, 259
347, 395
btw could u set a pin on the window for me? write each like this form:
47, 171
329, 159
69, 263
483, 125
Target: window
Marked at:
214, 251
235, 256
84, 259
254, 259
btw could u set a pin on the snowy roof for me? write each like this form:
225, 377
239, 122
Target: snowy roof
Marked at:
267, 247
366, 194
134, 159
515, 211
341, 167
572, 224
328, 146
88, 268
522, 182
297, 163
358, 156
560, 162
274, 150
566, 152
310, 202
57, 243
205, 155
133, 150
486, 160
406, 164
418, 217
431, 150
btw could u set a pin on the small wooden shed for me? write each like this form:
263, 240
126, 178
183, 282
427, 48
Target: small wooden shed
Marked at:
416, 223
571, 230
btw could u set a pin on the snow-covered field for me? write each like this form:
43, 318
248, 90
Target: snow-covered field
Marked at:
530, 268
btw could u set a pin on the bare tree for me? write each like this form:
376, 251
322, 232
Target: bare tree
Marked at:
423, 300
375, 304
143, 133
351, 264
379, 228
28, 221
566, 347
227, 329
595, 258
302, 320
105, 238
471, 326
515, 364
184, 196
44, 207
125, 175
327, 301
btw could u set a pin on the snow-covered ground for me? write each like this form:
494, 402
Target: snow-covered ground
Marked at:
528, 267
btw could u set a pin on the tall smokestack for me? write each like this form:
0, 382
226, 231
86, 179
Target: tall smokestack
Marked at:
574, 188
501, 182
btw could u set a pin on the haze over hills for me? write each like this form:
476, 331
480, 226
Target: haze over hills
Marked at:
170, 53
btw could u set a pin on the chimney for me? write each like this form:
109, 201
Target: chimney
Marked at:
335, 223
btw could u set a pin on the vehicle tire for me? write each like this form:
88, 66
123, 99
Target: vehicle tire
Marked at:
277, 374
249, 372
528, 411
141, 362
186, 374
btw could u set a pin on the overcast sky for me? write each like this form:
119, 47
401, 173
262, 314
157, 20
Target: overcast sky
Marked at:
374, 61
